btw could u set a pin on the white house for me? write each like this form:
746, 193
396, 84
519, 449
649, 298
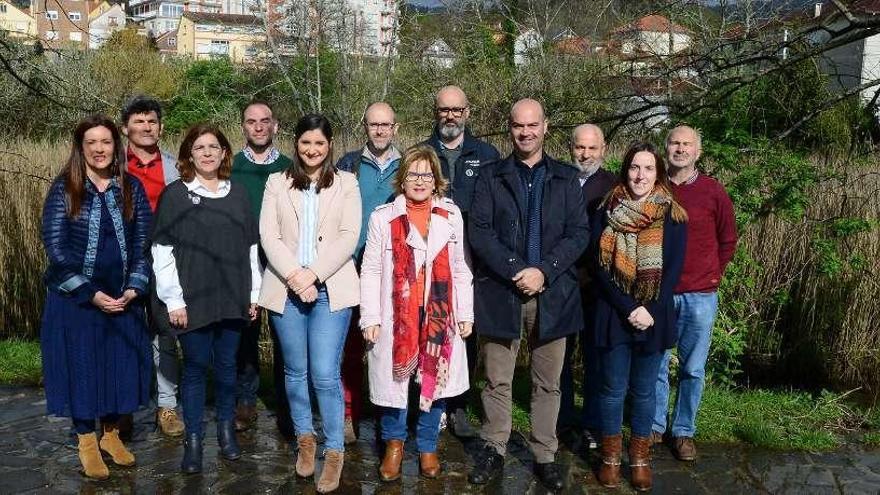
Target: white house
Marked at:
652, 35
103, 21
439, 54
526, 44
853, 64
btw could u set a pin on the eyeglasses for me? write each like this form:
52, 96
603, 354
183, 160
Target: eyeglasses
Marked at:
454, 111
204, 149
380, 126
415, 176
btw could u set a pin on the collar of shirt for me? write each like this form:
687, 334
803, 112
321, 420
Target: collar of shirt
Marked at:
692, 178
584, 175
133, 159
390, 156
195, 186
448, 148
271, 156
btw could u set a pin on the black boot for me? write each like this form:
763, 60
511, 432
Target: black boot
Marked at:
226, 438
192, 454
550, 475
487, 467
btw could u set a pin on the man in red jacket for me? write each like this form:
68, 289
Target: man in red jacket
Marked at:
711, 242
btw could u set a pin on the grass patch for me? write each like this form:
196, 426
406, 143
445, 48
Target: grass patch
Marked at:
22, 364
784, 420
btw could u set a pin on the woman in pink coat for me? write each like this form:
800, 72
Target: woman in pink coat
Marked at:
416, 307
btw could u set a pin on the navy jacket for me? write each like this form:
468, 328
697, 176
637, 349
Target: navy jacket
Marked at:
68, 240
475, 154
613, 306
498, 240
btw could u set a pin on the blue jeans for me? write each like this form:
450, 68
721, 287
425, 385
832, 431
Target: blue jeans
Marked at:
625, 369
220, 341
312, 338
393, 422
695, 312
589, 419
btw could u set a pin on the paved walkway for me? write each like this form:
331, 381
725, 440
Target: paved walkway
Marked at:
35, 458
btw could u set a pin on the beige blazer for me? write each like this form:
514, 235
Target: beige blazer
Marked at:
339, 227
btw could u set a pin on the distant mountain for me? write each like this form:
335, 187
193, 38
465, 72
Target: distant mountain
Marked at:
426, 5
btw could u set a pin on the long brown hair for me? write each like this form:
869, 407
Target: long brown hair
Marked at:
301, 181
679, 215
185, 164
74, 170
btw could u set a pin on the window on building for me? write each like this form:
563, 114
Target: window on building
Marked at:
172, 41
75, 16
219, 47
170, 10
112, 21
76, 36
51, 35
2, 8
52, 15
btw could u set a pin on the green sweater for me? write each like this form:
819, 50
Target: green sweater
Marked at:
253, 176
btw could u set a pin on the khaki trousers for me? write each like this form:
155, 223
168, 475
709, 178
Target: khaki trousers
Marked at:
499, 356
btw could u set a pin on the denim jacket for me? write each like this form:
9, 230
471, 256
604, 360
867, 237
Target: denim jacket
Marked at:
71, 243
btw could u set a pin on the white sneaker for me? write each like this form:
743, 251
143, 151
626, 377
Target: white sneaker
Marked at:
443, 421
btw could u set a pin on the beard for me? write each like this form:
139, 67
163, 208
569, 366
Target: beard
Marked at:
448, 133
589, 166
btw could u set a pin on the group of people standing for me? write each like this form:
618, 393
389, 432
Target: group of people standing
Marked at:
405, 257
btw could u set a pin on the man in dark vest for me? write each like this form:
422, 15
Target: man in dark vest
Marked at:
251, 168
462, 156
588, 154
527, 230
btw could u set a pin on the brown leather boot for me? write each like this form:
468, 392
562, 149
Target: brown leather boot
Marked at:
111, 444
332, 471
389, 470
609, 470
305, 459
640, 463
90, 457
429, 464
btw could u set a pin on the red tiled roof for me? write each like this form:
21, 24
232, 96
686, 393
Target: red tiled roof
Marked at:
653, 23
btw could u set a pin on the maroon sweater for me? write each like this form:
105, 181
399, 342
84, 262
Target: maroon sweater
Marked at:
711, 234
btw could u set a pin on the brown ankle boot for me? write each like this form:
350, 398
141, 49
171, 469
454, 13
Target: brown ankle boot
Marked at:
305, 459
429, 464
389, 470
90, 457
609, 470
111, 444
332, 471
640, 463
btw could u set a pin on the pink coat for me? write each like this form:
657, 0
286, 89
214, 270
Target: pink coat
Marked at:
376, 287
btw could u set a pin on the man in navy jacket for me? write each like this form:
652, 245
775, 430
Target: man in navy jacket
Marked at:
527, 230
462, 157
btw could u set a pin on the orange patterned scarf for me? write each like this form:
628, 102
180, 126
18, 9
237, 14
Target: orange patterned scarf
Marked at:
423, 344
631, 246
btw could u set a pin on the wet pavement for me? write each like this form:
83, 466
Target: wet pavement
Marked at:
35, 457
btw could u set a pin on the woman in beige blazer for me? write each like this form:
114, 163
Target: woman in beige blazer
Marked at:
309, 228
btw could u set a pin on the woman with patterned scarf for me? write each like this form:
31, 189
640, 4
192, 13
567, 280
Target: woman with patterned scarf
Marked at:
638, 248
416, 308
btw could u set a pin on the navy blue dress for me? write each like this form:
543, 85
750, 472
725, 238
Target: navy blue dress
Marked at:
96, 364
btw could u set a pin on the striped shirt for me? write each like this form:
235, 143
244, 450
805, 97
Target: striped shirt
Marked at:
308, 227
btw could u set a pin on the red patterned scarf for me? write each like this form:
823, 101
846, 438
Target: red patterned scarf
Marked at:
426, 347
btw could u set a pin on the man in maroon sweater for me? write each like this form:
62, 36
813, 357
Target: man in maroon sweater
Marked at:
711, 234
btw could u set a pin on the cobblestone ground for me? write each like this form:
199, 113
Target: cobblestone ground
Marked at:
36, 457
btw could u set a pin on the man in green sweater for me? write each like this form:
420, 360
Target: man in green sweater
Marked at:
250, 169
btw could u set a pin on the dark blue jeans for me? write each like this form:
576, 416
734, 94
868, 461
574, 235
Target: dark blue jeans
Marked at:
84, 426
220, 342
393, 423
625, 369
